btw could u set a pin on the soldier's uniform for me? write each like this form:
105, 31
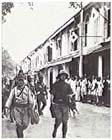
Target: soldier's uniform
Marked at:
22, 99
60, 91
41, 94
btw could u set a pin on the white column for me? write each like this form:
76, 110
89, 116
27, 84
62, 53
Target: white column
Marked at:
81, 66
100, 66
66, 68
81, 45
48, 78
55, 73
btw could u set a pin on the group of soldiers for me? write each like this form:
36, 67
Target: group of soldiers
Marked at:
21, 95
26, 92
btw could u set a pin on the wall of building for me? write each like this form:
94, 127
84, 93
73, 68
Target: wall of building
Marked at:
96, 33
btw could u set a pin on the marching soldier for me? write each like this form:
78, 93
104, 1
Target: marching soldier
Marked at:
22, 99
5, 94
31, 85
42, 95
14, 82
60, 92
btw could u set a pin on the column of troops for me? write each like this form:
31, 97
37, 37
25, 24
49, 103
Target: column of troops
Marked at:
21, 97
26, 91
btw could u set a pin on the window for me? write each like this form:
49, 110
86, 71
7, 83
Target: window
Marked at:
108, 28
74, 45
49, 53
37, 61
41, 62
59, 46
96, 26
28, 66
44, 58
86, 29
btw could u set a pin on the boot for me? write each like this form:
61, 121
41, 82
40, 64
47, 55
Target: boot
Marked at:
19, 132
64, 130
54, 133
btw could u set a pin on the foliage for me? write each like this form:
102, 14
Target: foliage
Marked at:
7, 64
6, 8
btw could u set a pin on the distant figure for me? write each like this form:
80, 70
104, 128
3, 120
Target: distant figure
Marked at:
106, 92
78, 89
41, 94
99, 91
94, 90
84, 89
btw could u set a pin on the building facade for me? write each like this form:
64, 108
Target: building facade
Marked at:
80, 46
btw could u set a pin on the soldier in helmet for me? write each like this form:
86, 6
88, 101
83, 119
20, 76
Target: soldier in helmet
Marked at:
13, 85
60, 92
41, 94
14, 82
22, 98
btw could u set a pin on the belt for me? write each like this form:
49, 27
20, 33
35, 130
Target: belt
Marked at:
60, 101
21, 105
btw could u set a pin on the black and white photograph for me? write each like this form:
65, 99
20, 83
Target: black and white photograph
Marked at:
55, 69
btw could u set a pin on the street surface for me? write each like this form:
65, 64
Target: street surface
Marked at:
92, 122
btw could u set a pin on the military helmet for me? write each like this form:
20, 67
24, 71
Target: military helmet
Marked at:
62, 72
40, 75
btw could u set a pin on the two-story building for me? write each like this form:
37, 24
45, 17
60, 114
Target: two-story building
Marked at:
80, 46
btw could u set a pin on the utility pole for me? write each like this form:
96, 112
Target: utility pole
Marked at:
79, 5
81, 43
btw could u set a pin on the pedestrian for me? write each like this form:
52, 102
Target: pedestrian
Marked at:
106, 93
73, 85
89, 86
84, 89
99, 90
22, 99
78, 89
94, 90
41, 94
60, 92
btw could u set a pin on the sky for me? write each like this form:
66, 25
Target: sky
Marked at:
25, 28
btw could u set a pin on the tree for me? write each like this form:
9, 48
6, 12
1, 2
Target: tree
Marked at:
7, 64
6, 8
